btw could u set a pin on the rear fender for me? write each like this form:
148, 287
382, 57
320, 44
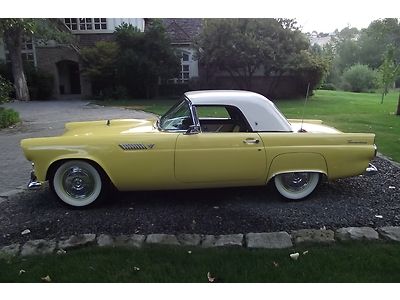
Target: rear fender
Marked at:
297, 162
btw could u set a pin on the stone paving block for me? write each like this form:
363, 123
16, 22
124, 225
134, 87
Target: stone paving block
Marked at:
35, 247
390, 233
105, 240
133, 240
313, 236
208, 241
164, 239
10, 250
228, 240
75, 241
189, 239
270, 240
356, 233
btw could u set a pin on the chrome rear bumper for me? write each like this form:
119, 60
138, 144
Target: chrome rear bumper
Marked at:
33, 183
371, 170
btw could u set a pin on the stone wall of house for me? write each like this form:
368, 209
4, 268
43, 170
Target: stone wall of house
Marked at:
89, 40
47, 60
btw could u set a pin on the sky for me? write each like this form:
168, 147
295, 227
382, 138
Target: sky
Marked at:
327, 25
320, 15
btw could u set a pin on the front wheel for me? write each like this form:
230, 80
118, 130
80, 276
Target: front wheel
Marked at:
296, 185
77, 183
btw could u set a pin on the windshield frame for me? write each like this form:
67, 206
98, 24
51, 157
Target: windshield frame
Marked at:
192, 112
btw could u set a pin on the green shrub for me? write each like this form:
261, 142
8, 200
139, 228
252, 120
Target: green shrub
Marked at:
40, 83
359, 78
5, 89
8, 117
328, 87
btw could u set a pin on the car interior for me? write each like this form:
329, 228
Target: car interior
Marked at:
228, 119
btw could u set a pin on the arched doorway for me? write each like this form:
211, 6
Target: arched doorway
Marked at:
68, 77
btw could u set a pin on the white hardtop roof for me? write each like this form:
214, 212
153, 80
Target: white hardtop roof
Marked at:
260, 112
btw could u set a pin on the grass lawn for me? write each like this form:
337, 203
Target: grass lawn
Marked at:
349, 112
341, 262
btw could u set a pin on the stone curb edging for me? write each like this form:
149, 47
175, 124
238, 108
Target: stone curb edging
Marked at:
265, 240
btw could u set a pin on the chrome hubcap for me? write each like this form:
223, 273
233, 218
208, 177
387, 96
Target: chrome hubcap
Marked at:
295, 182
78, 183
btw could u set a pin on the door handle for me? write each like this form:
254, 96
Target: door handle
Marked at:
251, 141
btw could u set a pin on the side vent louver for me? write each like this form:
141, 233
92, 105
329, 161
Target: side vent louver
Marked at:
132, 147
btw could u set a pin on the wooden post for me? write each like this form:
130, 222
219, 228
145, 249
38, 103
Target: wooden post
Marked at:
398, 107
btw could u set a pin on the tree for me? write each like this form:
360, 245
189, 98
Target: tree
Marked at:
388, 72
145, 58
359, 78
240, 47
99, 64
13, 32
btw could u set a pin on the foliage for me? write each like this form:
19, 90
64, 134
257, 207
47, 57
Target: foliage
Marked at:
144, 58
8, 117
359, 78
40, 83
99, 64
388, 72
240, 47
5, 90
133, 64
13, 30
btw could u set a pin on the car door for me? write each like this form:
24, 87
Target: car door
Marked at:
220, 157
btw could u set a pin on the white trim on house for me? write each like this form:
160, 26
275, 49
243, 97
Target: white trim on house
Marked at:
100, 25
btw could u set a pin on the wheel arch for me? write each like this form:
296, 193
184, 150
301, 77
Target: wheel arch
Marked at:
58, 162
297, 162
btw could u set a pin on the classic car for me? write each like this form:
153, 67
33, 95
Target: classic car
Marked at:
208, 139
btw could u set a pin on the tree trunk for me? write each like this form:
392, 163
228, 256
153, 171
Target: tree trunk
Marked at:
13, 40
398, 107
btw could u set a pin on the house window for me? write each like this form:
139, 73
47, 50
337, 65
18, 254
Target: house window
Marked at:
27, 52
86, 23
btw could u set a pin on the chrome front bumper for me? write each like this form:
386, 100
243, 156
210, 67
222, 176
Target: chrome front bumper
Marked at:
371, 170
33, 183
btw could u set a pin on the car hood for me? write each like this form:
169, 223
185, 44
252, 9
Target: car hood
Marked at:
312, 126
107, 127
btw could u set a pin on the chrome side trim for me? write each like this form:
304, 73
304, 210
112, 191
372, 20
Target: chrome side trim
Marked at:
371, 170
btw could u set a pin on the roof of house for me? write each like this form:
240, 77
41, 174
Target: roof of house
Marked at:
182, 31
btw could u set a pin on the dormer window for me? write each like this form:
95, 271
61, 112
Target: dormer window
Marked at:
85, 24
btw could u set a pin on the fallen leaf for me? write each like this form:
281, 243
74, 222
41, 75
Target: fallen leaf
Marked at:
210, 279
26, 231
216, 207
190, 252
391, 187
323, 228
379, 216
46, 279
275, 264
294, 256
136, 268
305, 252
21, 272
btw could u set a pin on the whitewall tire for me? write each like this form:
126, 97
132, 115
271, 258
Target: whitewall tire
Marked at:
296, 185
77, 183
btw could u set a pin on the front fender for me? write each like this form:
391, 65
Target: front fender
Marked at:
297, 162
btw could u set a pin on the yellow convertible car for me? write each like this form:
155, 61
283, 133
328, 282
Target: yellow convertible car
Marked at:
208, 139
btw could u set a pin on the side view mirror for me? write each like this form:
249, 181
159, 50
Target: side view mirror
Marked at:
193, 129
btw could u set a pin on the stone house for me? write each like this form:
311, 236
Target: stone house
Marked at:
63, 60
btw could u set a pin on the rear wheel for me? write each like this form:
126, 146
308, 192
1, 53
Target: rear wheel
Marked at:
78, 183
296, 185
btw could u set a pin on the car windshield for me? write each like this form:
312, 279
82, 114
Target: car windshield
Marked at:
177, 118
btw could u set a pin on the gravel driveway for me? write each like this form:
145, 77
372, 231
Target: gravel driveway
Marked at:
358, 201
44, 118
